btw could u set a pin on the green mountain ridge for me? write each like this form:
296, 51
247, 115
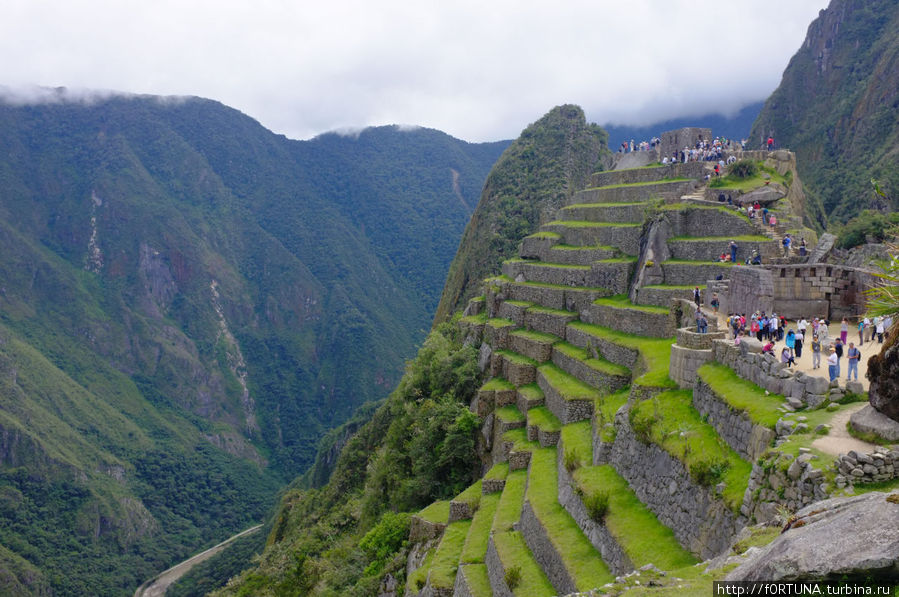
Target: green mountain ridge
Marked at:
187, 302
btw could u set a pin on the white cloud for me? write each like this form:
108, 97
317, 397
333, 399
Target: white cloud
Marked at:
479, 71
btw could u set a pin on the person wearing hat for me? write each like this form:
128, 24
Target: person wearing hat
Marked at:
833, 364
816, 352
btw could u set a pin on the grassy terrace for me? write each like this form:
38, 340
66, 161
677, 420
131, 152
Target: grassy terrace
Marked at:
480, 318
728, 210
477, 580
580, 558
732, 183
513, 551
548, 264
470, 496
586, 224
742, 395
500, 470
585, 247
548, 311
606, 407
545, 234
620, 301
438, 512
509, 414
619, 204
577, 439
655, 353
535, 336
497, 384
626, 259
543, 419
636, 529
600, 364
446, 559
508, 512
670, 421
531, 392
564, 287
514, 357
570, 387
519, 439
498, 323
638, 184
475, 547
749, 238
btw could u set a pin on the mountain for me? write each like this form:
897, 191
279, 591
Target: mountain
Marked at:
836, 108
551, 159
731, 127
187, 302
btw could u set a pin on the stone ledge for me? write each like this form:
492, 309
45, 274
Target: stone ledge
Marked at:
496, 572
736, 428
544, 551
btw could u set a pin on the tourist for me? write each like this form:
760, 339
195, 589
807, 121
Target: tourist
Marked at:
770, 143
833, 364
874, 324
816, 352
733, 251
853, 355
844, 330
790, 340
787, 241
786, 357
755, 329
861, 330
800, 338
697, 297
772, 220
698, 320
803, 250
768, 348
715, 301
838, 350
880, 328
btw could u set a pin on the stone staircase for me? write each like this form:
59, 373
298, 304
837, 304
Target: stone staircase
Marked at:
599, 462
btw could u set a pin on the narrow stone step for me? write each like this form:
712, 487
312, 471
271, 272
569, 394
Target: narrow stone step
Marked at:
553, 296
496, 393
563, 552
514, 311
625, 237
536, 245
567, 397
518, 369
507, 550
534, 345
548, 321
430, 522
543, 427
463, 506
496, 332
475, 548
529, 396
578, 255
495, 479
517, 448
622, 213
508, 418
599, 373
618, 313
475, 306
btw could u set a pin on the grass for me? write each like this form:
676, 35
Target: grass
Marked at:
477, 580
580, 558
513, 551
564, 287
748, 238
543, 419
438, 512
531, 392
742, 395
471, 496
758, 537
535, 336
639, 184
480, 318
618, 260
549, 311
621, 301
509, 414
548, 264
600, 364
519, 439
636, 529
514, 357
683, 206
497, 384
475, 547
670, 421
577, 439
732, 183
545, 234
606, 407
497, 323
585, 248
586, 224
655, 353
508, 511
500, 470
570, 387
446, 559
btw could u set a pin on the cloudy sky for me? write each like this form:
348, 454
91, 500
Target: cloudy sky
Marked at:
478, 70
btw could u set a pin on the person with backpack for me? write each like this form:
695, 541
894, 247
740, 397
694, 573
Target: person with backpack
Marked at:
733, 252
787, 241
853, 355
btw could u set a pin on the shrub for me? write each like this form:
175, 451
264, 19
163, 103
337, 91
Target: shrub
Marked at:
642, 423
597, 504
571, 461
513, 577
743, 169
708, 472
384, 539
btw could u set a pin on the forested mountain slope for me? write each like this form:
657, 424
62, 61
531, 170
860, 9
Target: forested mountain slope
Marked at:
837, 105
187, 302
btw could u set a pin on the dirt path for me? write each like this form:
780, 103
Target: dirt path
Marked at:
157, 586
838, 441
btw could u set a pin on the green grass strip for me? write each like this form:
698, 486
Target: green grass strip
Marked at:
611, 260
693, 206
531, 392
446, 560
535, 336
509, 414
749, 238
636, 529
508, 512
742, 395
476, 543
500, 470
514, 357
577, 439
545, 234
519, 439
621, 301
655, 352
586, 224
438, 512
549, 311
513, 552
564, 287
670, 421
477, 580
570, 387
480, 318
472, 495
522, 304
620, 204
498, 323
580, 558
497, 384
606, 407
549, 264
639, 184
543, 419
600, 364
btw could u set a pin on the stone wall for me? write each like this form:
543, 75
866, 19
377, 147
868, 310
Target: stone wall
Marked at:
750, 289
568, 299
693, 170
597, 533
782, 481
581, 370
818, 290
461, 588
544, 551
688, 338
548, 323
578, 256
734, 426
701, 522
513, 311
661, 296
635, 159
567, 411
622, 214
640, 323
666, 190
685, 362
859, 468
675, 141
424, 530
690, 274
620, 355
535, 247
705, 250
624, 237
687, 221
496, 572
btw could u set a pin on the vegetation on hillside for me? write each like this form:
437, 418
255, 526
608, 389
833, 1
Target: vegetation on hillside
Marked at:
418, 447
551, 159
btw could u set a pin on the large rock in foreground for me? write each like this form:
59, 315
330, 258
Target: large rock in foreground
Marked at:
852, 537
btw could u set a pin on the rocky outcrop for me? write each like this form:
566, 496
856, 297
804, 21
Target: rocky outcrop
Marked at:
834, 539
883, 372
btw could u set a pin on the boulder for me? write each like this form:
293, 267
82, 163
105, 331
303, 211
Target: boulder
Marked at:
854, 537
883, 372
871, 420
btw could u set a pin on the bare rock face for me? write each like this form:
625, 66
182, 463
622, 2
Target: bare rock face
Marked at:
853, 537
883, 373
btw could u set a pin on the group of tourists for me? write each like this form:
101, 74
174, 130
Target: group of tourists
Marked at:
626, 147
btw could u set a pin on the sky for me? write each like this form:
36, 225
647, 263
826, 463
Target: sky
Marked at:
480, 71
